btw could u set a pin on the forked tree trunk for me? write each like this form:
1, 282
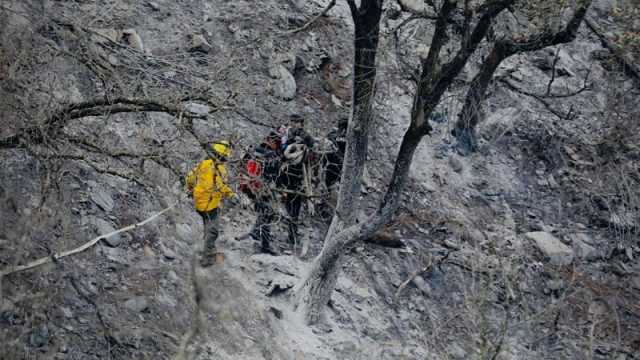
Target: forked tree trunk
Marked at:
315, 290
469, 116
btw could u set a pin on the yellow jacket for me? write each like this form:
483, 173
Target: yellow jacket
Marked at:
208, 185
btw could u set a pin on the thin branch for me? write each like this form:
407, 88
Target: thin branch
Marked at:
411, 277
535, 96
324, 12
92, 242
420, 271
553, 71
97, 107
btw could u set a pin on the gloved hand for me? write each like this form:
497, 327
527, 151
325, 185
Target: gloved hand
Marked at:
234, 201
245, 202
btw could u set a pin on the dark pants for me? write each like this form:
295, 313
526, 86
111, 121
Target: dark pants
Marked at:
211, 223
293, 203
265, 216
291, 178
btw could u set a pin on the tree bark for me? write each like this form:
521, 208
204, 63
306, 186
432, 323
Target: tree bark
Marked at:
367, 27
315, 290
469, 116
470, 113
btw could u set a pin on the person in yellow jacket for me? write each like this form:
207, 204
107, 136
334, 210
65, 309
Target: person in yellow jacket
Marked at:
207, 183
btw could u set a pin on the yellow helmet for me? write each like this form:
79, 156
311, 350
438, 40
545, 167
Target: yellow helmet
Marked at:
222, 148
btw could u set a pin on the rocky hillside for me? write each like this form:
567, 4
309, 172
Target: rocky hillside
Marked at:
525, 249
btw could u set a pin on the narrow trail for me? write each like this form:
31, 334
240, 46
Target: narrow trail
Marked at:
241, 305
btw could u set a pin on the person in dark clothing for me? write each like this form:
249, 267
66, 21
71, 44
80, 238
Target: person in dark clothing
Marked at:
291, 178
296, 144
333, 160
262, 167
296, 134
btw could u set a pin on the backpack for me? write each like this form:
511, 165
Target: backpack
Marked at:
251, 176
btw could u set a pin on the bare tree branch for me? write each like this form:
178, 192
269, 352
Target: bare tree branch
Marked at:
469, 116
539, 98
556, 57
98, 107
324, 12
85, 246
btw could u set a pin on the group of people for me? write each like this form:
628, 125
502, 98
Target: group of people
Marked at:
278, 168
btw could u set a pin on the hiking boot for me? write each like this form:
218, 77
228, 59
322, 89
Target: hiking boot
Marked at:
268, 250
206, 261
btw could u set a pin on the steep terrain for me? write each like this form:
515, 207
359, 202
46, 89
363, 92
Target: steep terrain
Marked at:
526, 249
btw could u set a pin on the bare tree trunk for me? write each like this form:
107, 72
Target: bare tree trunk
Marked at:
469, 116
367, 27
315, 290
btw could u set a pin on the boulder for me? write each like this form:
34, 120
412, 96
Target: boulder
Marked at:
133, 39
199, 44
173, 277
104, 227
197, 109
153, 5
551, 247
456, 165
137, 304
582, 248
39, 337
413, 6
285, 86
103, 199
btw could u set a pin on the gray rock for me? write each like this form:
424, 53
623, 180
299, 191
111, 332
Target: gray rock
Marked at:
153, 5
166, 298
137, 304
456, 352
115, 255
551, 247
199, 44
66, 312
133, 39
172, 277
555, 284
286, 59
582, 248
280, 284
184, 231
413, 6
455, 164
197, 109
266, 48
103, 199
104, 227
451, 244
39, 337
285, 86
168, 253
